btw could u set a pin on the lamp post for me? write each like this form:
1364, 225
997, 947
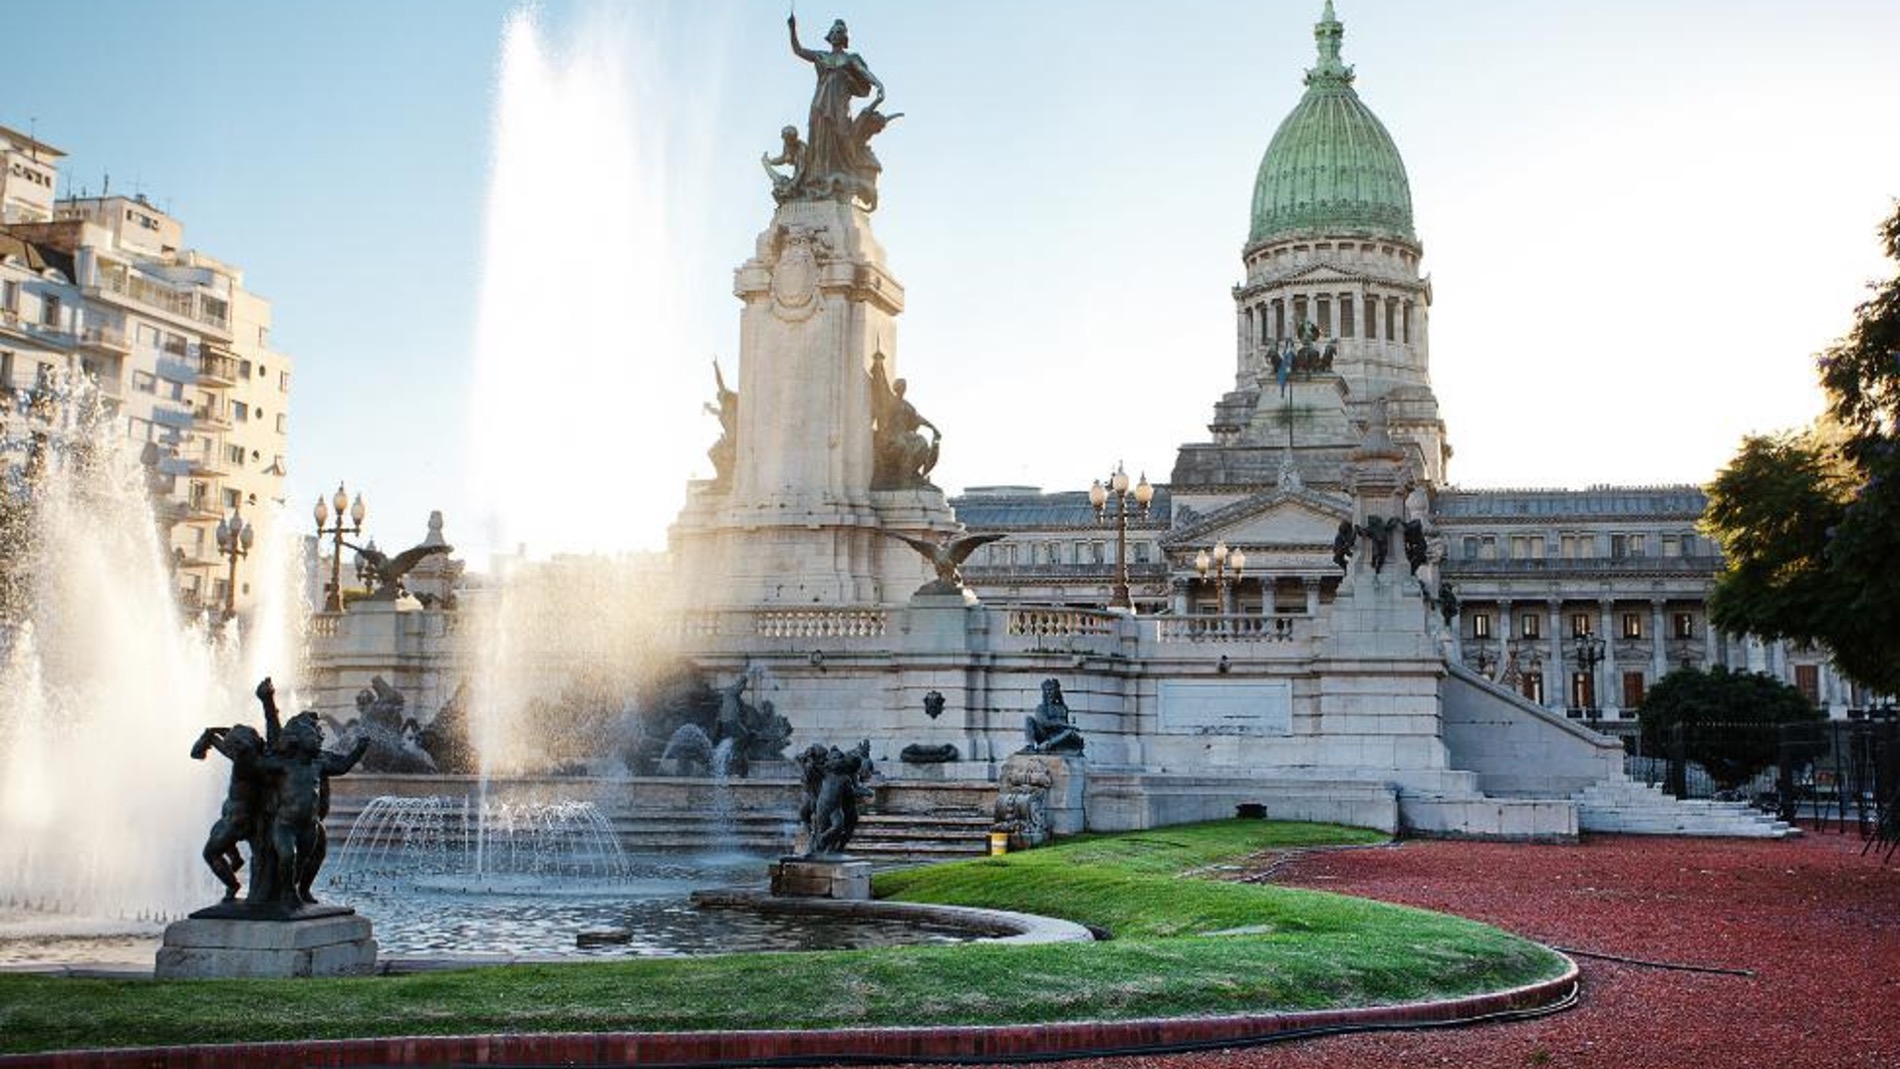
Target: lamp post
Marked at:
341, 500
1117, 488
1589, 654
235, 536
1222, 562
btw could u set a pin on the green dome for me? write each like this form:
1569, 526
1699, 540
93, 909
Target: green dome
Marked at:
1331, 168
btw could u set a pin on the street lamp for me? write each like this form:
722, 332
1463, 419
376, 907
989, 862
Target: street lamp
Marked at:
1222, 562
235, 536
1118, 488
341, 501
1589, 654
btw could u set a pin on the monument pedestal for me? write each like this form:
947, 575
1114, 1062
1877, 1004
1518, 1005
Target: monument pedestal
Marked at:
213, 948
841, 877
1047, 791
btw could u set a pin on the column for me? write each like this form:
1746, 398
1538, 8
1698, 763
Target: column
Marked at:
1607, 700
1557, 684
1178, 594
1661, 654
1311, 583
1708, 643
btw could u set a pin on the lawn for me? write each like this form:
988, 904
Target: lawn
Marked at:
1175, 951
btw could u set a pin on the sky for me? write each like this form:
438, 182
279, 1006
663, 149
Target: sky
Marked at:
499, 240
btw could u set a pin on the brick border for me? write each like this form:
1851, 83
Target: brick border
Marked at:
960, 1042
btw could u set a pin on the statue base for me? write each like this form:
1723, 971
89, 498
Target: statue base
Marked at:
336, 942
841, 877
1059, 782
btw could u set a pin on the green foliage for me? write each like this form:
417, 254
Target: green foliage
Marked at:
1810, 523
1299, 950
1727, 722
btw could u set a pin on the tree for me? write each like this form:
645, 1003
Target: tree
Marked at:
1727, 722
1810, 522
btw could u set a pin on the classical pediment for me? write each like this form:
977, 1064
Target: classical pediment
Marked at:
1270, 518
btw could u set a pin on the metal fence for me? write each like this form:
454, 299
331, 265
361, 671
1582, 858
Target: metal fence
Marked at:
1837, 775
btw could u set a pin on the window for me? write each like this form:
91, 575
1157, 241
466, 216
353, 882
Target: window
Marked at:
1534, 686
6, 369
1323, 315
147, 336
1480, 625
1684, 625
240, 412
1345, 317
234, 454
1391, 313
1690, 547
1471, 547
49, 311
283, 423
10, 296
1807, 680
1520, 547
1372, 316
1579, 625
1537, 547
230, 498
1141, 552
283, 382
1670, 546
1632, 625
1489, 550
1408, 322
144, 382
1583, 691
1529, 625
1632, 690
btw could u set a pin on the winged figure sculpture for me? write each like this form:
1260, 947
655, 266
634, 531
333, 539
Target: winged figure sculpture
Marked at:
945, 556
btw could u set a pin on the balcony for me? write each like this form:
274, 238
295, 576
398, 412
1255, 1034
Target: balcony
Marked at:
166, 416
180, 302
210, 417
172, 369
106, 339
218, 368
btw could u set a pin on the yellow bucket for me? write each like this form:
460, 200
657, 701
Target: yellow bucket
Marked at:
999, 843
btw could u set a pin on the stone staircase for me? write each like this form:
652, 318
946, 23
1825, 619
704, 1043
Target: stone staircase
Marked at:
943, 835
1630, 808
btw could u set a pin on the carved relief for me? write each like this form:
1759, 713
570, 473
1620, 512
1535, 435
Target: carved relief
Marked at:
795, 274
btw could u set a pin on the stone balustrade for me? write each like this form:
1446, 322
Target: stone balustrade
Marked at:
1060, 622
1227, 628
820, 623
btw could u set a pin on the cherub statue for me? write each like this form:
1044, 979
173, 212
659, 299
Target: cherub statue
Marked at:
791, 154
237, 821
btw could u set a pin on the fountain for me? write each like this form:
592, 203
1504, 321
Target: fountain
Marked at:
100, 673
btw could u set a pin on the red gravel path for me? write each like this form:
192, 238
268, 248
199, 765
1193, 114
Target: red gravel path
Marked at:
1818, 924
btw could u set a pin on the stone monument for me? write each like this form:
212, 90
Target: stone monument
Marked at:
275, 805
826, 452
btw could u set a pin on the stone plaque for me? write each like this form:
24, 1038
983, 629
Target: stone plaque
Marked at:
1217, 707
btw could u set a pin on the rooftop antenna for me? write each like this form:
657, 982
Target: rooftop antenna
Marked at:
33, 137
105, 188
